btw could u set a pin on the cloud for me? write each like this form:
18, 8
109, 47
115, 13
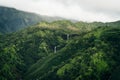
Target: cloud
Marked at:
84, 10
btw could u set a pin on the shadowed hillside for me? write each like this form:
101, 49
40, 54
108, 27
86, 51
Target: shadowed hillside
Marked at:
12, 20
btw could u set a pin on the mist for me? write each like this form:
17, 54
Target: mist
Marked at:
82, 10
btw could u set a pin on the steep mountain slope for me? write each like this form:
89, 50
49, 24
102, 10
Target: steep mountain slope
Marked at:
25, 47
12, 20
93, 56
61, 50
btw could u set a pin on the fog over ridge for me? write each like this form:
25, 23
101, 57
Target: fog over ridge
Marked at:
83, 10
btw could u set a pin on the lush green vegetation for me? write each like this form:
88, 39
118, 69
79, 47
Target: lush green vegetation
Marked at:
90, 52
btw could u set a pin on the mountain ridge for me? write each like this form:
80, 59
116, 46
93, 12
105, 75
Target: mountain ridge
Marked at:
13, 20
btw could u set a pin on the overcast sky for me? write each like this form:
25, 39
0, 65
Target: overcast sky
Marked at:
83, 10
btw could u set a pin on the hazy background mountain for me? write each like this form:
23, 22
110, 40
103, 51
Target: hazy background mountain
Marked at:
83, 10
12, 20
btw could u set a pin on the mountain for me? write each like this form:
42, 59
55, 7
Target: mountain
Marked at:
91, 56
61, 50
12, 20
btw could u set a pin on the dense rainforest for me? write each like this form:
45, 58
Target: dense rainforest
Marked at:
61, 50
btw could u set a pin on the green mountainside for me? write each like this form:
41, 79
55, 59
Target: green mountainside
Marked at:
12, 20
90, 56
61, 50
